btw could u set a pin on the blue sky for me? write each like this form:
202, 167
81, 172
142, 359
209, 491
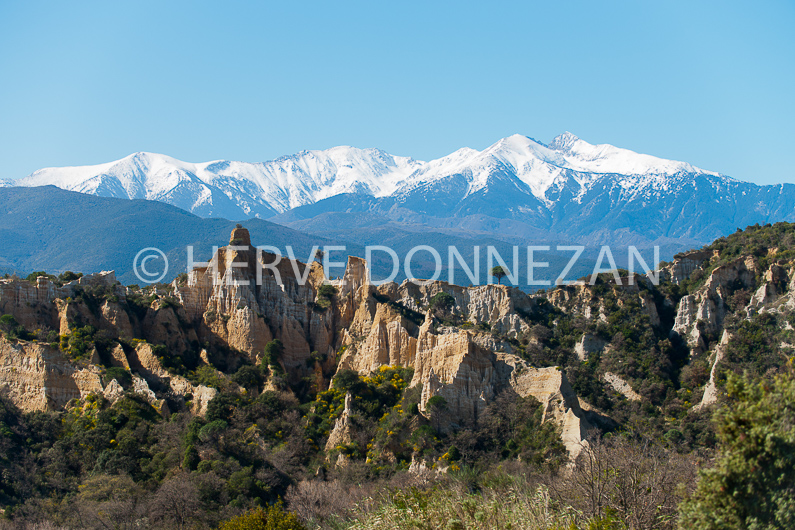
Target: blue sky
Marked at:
710, 83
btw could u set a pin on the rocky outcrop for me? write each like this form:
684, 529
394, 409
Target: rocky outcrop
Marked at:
341, 433
118, 358
711, 390
388, 342
497, 305
560, 404
621, 386
466, 368
686, 264
245, 298
587, 345
775, 284
32, 304
455, 367
39, 377
163, 324
144, 362
700, 315
113, 392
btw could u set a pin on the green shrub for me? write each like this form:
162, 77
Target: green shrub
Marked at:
271, 518
221, 407
442, 301
122, 376
33, 276
212, 430
12, 329
248, 376
327, 291
78, 344
208, 376
271, 356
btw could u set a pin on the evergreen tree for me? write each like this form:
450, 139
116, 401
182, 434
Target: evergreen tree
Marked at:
752, 484
499, 273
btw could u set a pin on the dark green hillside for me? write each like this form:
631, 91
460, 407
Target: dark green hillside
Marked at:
55, 230
51, 229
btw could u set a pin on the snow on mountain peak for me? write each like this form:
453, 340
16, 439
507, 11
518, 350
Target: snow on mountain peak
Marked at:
563, 142
605, 158
227, 188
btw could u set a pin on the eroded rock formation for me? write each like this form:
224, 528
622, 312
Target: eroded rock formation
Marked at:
40, 377
243, 299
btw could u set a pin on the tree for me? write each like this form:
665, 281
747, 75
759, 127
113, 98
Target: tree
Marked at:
8, 323
436, 407
176, 502
442, 301
752, 484
33, 276
109, 501
499, 273
441, 304
271, 355
68, 276
221, 407
248, 376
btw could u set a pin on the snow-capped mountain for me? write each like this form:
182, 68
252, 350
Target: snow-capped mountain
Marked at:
239, 190
518, 187
234, 190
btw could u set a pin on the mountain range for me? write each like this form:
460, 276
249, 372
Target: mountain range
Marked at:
518, 190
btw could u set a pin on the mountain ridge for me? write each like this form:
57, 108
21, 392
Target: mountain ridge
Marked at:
341, 169
517, 189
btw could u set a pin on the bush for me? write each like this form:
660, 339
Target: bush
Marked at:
271, 355
12, 329
208, 376
221, 407
325, 295
33, 276
69, 276
271, 518
212, 430
248, 376
327, 291
79, 343
442, 301
121, 376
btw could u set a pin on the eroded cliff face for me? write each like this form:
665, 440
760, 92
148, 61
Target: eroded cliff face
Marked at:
39, 377
686, 264
35, 305
394, 325
497, 305
243, 305
476, 346
243, 299
552, 389
700, 315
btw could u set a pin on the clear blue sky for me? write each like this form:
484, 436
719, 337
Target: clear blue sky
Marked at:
711, 83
